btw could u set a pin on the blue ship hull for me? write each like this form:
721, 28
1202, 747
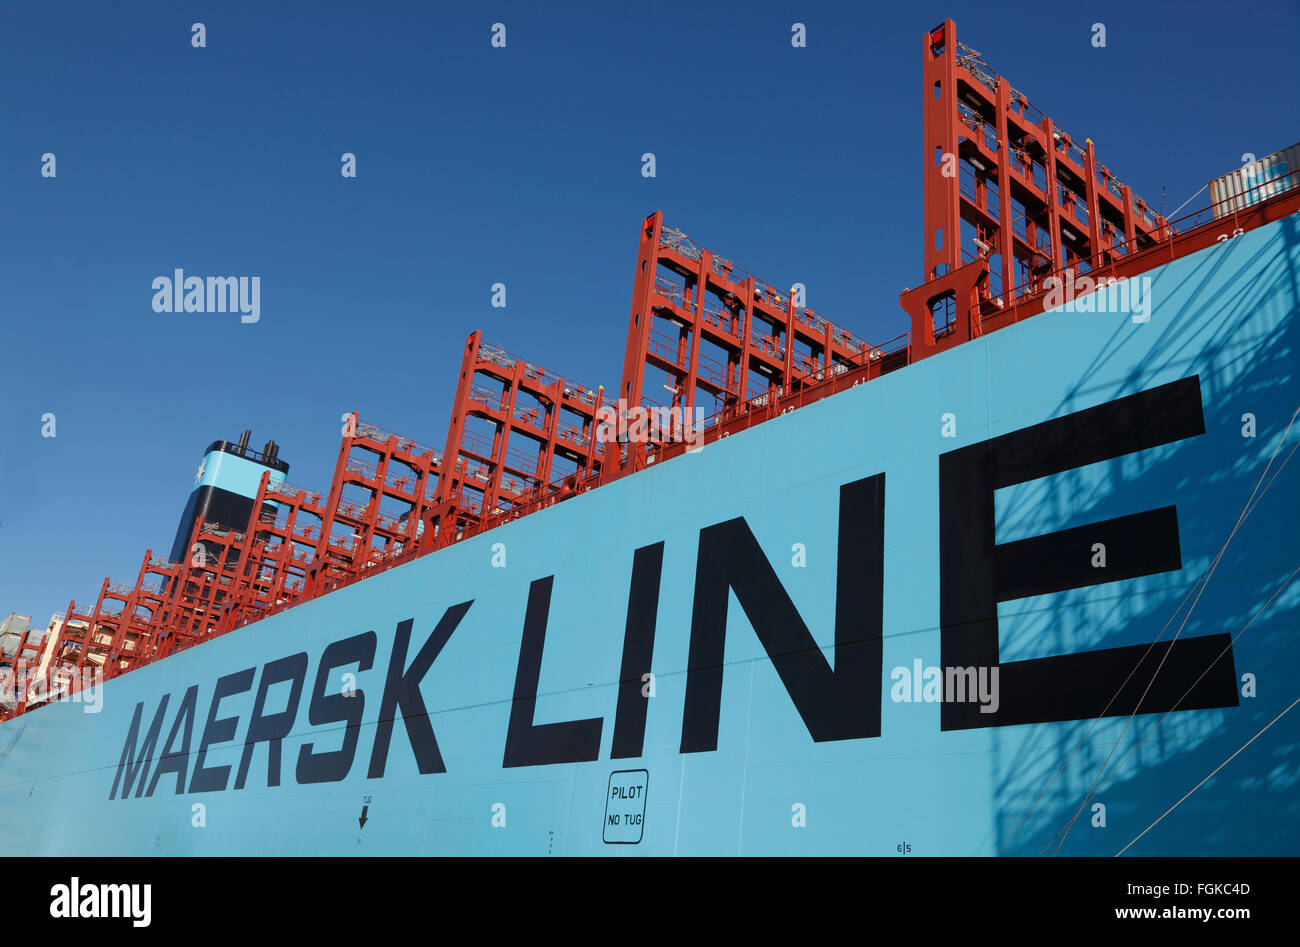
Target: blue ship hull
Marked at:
496, 696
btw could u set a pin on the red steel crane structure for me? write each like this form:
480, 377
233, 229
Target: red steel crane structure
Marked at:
89, 639
301, 542
169, 607
283, 537
706, 334
19, 685
118, 633
515, 430
1010, 202
1009, 197
382, 484
199, 592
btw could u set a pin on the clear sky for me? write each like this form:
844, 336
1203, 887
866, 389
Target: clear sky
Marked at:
478, 165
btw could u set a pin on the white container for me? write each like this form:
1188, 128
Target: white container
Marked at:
1256, 182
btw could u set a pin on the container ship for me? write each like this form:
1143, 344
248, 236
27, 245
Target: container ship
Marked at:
1018, 581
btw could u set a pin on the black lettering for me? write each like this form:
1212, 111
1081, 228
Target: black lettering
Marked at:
327, 707
402, 692
638, 650
128, 764
527, 744
176, 759
976, 572
838, 704
214, 779
273, 728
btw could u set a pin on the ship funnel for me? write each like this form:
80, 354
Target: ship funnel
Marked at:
243, 440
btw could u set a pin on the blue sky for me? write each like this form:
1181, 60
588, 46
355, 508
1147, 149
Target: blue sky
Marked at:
478, 165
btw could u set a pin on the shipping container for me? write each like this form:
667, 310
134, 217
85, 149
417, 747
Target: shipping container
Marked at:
1256, 181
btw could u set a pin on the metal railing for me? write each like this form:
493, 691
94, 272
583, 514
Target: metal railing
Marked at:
372, 432
971, 60
286, 489
678, 242
494, 399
